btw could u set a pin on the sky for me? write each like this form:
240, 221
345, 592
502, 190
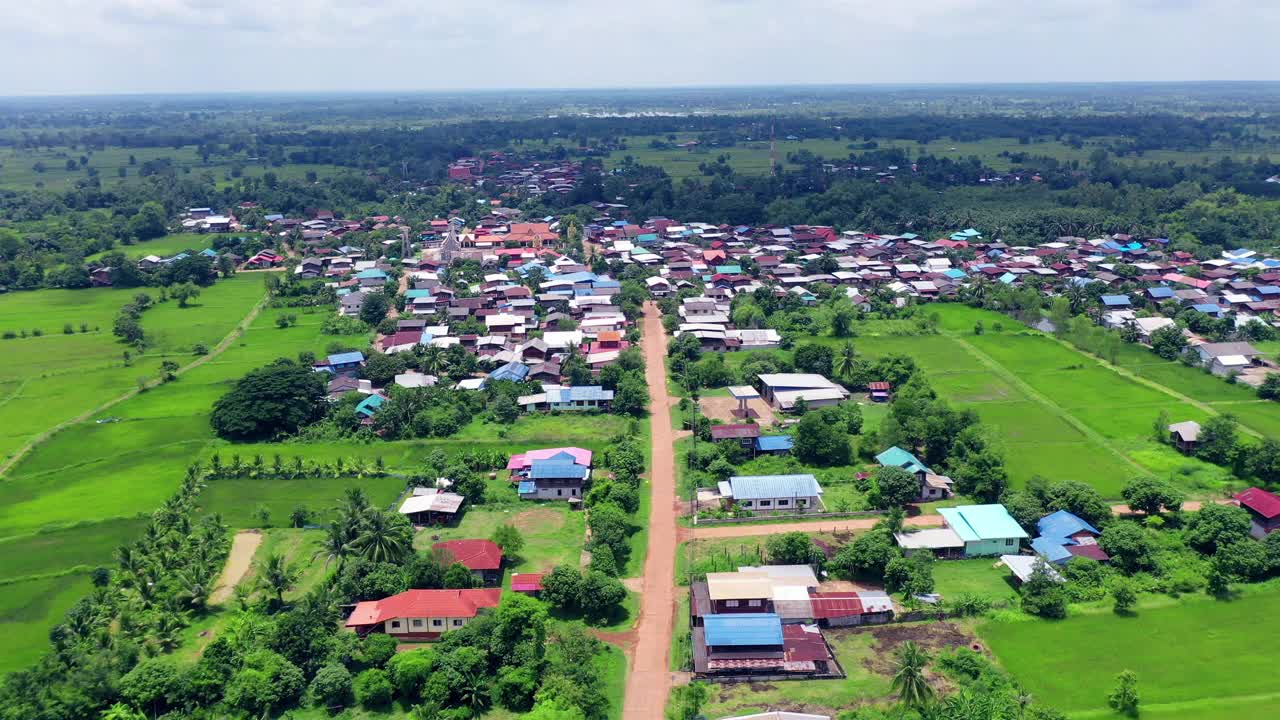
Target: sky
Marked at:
140, 46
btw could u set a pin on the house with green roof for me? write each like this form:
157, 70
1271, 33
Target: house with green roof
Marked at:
984, 529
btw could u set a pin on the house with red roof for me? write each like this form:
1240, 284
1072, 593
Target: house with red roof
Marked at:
421, 614
1263, 507
527, 583
482, 557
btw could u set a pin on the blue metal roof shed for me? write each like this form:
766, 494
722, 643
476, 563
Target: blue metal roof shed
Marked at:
897, 457
743, 629
346, 358
1115, 300
512, 371
1063, 524
1160, 292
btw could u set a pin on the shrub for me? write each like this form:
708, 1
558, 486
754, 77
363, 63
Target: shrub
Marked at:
373, 688
331, 686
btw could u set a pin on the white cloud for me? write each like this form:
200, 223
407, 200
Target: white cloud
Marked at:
55, 46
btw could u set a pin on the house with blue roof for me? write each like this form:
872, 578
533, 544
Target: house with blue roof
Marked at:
1063, 536
773, 444
580, 398
1209, 309
513, 371
798, 493
1160, 292
1116, 301
742, 631
369, 407
984, 529
559, 477
932, 485
347, 363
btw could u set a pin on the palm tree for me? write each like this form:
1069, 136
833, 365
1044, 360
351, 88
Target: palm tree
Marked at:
908, 679
164, 634
120, 711
335, 545
276, 575
383, 537
845, 363
472, 693
194, 587
431, 361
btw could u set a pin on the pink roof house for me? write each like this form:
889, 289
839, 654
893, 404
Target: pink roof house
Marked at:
524, 461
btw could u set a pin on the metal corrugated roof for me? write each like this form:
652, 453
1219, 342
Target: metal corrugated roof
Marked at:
556, 470
773, 443
982, 522
751, 487
743, 629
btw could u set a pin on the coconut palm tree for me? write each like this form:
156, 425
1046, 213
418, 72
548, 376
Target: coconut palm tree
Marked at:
383, 537
276, 575
845, 362
908, 678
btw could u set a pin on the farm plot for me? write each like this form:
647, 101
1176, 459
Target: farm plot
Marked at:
1072, 664
28, 609
57, 376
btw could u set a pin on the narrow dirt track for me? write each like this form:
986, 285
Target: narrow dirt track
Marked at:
239, 560
731, 531
649, 680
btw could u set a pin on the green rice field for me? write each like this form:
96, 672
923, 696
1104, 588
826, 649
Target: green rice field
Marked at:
1196, 658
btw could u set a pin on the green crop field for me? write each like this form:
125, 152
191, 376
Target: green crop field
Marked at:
90, 480
753, 157
18, 166
55, 377
28, 609
166, 246
1197, 658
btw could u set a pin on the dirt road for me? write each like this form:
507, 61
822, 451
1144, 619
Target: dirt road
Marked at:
838, 526
649, 680
239, 560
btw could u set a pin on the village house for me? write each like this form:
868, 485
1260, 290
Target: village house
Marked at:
932, 486
773, 493
782, 390
431, 506
482, 557
421, 614
551, 474
1264, 510
968, 531
1064, 536
1185, 436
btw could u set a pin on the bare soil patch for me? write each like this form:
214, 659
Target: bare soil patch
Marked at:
239, 560
721, 408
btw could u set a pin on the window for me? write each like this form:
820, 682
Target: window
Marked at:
753, 603
1010, 542
783, 503
437, 622
417, 623
457, 623
766, 503
731, 603
559, 492
745, 503
395, 624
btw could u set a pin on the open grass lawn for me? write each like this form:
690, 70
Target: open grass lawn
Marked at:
1195, 656
28, 609
93, 545
981, 577
553, 534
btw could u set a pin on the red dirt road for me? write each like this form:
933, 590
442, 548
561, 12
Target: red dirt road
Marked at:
649, 679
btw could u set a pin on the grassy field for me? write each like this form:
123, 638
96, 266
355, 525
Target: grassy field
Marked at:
753, 158
953, 578
55, 377
18, 166
28, 609
166, 246
1219, 669
1058, 412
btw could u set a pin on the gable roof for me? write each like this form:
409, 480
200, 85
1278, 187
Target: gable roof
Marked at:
1063, 524
726, 432
897, 457
1260, 501
753, 487
742, 629
982, 522
473, 554
424, 604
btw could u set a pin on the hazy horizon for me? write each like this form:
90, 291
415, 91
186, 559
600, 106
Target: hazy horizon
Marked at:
114, 47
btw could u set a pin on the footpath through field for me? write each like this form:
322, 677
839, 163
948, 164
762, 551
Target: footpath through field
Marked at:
217, 350
239, 560
649, 680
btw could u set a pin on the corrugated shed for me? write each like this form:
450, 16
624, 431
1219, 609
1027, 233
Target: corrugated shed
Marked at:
744, 629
